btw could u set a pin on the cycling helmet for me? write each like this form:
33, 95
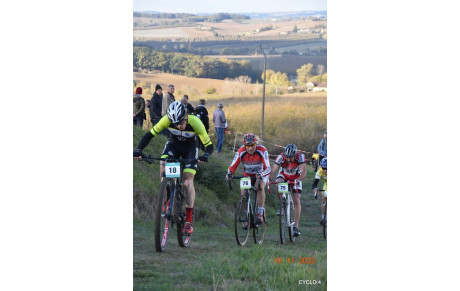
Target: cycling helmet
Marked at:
176, 112
323, 163
290, 150
250, 139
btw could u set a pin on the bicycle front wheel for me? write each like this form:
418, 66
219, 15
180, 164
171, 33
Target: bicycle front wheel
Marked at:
163, 215
242, 221
283, 221
292, 221
259, 229
184, 240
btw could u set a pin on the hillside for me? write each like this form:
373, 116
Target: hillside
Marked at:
214, 261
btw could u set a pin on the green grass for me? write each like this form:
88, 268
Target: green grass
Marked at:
214, 261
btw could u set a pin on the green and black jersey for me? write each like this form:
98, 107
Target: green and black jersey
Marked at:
193, 129
189, 135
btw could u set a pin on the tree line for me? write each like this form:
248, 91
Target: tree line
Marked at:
191, 65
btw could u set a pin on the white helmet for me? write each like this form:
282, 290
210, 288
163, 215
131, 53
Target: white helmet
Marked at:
176, 112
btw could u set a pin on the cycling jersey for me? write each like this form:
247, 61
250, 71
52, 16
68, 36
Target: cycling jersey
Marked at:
290, 171
320, 175
193, 129
181, 142
252, 164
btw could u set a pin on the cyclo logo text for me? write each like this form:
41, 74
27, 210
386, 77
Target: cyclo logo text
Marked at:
309, 282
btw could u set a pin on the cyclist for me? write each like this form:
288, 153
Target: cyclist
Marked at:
293, 169
255, 165
184, 129
321, 174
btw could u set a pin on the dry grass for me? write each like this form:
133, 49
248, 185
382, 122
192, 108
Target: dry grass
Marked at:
290, 118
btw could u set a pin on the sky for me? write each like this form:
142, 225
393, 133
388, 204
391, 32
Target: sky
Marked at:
230, 6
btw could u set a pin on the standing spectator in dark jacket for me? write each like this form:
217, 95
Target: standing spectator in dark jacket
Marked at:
138, 107
156, 104
168, 98
202, 113
218, 117
190, 109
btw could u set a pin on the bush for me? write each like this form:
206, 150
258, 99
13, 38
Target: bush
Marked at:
210, 90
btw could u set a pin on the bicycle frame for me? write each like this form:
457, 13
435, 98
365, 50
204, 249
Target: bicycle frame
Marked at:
286, 197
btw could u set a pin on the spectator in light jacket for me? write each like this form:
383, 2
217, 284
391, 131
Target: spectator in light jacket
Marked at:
218, 117
168, 98
322, 147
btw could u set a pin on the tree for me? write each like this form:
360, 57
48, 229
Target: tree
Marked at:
321, 69
304, 73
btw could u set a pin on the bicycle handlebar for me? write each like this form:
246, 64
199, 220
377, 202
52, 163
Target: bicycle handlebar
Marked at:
149, 159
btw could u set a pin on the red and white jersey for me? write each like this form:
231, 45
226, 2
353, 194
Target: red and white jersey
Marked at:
290, 171
253, 164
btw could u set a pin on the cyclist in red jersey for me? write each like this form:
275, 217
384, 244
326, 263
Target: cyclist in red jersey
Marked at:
293, 169
256, 165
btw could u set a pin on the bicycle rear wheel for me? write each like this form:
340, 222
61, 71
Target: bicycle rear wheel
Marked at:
292, 221
259, 229
163, 217
184, 240
242, 220
283, 221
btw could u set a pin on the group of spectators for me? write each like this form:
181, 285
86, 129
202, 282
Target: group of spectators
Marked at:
158, 106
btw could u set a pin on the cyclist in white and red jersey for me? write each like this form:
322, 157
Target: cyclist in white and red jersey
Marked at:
256, 165
293, 169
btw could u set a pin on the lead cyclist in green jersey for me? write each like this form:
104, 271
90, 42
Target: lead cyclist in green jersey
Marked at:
183, 143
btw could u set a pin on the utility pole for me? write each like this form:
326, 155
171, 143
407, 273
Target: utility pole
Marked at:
263, 89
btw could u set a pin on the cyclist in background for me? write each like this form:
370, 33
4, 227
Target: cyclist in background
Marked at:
255, 165
184, 129
293, 169
321, 174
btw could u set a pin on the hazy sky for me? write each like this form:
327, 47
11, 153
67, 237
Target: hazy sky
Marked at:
231, 6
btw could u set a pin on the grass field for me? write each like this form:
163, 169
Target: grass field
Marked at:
299, 118
214, 261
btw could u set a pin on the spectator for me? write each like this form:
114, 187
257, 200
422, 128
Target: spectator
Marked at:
218, 117
202, 113
156, 104
138, 108
168, 98
322, 147
187, 105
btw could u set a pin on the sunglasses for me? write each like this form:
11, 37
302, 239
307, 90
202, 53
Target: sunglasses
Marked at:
324, 168
179, 123
251, 145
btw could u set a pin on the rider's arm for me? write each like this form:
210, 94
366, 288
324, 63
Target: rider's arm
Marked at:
266, 162
274, 170
200, 130
303, 169
162, 124
236, 161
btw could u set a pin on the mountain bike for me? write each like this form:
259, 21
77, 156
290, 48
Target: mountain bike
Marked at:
170, 206
245, 213
286, 210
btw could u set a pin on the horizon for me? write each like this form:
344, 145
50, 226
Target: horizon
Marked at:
228, 6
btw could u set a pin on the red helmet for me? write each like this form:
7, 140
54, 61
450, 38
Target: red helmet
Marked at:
250, 139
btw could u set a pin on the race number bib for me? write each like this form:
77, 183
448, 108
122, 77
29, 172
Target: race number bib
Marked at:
283, 187
172, 170
245, 183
